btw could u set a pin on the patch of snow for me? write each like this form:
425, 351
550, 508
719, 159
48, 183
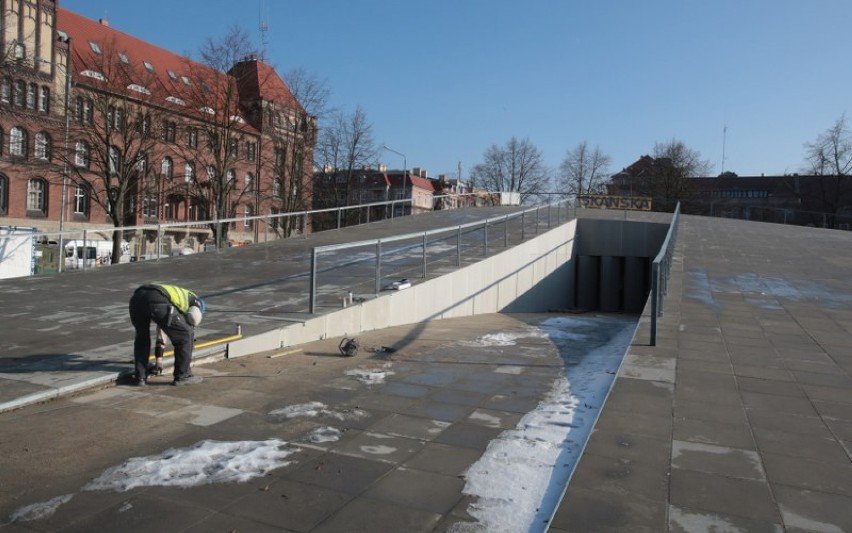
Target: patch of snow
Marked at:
369, 377
521, 476
324, 434
37, 511
316, 409
204, 463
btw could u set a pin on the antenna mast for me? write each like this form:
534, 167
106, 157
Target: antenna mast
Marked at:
264, 27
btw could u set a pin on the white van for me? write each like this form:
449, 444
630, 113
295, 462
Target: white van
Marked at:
91, 253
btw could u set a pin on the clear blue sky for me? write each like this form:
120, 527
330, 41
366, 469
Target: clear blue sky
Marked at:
442, 80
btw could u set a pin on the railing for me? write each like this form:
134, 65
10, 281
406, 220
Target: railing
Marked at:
660, 272
421, 240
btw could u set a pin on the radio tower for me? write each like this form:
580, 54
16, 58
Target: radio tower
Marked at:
264, 27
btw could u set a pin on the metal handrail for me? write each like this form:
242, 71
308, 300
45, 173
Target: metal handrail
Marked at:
424, 235
660, 272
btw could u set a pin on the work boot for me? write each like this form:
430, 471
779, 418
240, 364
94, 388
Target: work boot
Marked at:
139, 382
188, 380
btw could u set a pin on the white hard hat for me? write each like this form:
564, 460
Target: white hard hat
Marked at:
193, 316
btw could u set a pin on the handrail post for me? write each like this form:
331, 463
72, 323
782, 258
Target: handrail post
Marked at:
85, 245
549, 224
523, 225
506, 231
537, 218
485, 239
424, 254
655, 296
339, 216
312, 300
458, 247
378, 267
159, 241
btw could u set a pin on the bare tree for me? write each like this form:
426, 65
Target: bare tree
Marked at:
583, 171
112, 136
830, 157
345, 146
516, 167
221, 131
668, 181
310, 91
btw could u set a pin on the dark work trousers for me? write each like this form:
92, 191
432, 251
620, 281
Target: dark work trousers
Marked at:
146, 305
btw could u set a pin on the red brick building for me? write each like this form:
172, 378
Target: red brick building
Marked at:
100, 128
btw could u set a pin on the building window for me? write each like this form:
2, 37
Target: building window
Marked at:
249, 181
279, 159
18, 142
95, 47
142, 162
44, 100
167, 168
81, 201
4, 194
234, 148
6, 90
20, 51
211, 172
192, 137
169, 129
123, 58
81, 154
37, 196
148, 66
85, 110
42, 146
251, 151
143, 124
32, 94
231, 177
150, 204
247, 221
276, 186
114, 160
20, 92
189, 172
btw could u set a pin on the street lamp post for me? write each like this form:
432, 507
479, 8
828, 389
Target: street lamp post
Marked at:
404, 169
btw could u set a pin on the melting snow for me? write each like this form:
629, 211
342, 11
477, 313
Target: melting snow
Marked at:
369, 377
315, 409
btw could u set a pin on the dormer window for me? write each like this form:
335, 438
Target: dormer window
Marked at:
95, 47
148, 66
208, 110
185, 80
138, 88
172, 75
123, 57
93, 74
175, 100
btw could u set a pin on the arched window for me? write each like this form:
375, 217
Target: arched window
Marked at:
37, 196
81, 154
81, 200
167, 168
42, 146
18, 142
4, 194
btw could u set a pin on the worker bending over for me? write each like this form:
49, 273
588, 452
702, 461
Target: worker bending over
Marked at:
176, 311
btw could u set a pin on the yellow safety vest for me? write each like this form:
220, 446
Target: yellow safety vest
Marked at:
178, 296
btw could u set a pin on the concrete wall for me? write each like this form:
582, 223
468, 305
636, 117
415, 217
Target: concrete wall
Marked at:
535, 275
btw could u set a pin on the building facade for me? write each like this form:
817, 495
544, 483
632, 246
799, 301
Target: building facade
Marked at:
98, 128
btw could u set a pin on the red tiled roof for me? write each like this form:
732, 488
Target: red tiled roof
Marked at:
171, 71
422, 183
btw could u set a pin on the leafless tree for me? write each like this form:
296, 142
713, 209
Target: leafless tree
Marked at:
668, 182
518, 166
830, 156
345, 146
584, 171
112, 135
221, 131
